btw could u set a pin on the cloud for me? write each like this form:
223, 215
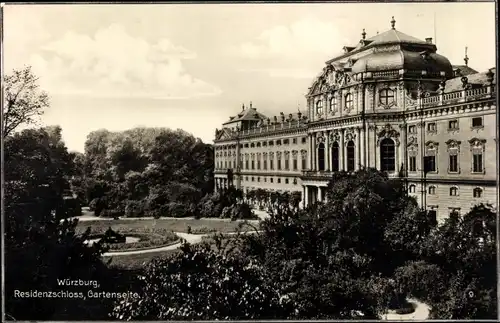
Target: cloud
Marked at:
113, 63
305, 37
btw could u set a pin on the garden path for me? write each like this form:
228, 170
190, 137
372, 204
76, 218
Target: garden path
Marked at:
421, 313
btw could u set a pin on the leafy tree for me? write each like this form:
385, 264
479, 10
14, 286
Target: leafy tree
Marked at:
39, 247
201, 284
24, 100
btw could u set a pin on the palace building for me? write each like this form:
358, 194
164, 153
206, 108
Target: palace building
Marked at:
386, 102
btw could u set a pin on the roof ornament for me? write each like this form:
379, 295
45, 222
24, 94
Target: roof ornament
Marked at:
243, 107
250, 104
363, 34
393, 23
466, 58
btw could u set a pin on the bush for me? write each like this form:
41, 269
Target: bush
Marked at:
242, 211
201, 284
177, 210
134, 209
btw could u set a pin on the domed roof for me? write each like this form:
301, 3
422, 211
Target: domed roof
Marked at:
403, 59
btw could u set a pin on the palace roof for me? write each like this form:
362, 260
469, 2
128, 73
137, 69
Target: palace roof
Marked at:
475, 80
247, 114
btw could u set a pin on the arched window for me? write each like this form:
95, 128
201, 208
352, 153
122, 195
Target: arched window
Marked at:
321, 156
333, 104
478, 192
350, 156
348, 101
319, 107
386, 96
432, 190
335, 157
453, 191
411, 188
387, 155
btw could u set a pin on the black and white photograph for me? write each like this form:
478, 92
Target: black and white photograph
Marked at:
249, 161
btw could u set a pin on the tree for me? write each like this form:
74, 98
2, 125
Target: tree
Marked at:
24, 101
201, 284
39, 247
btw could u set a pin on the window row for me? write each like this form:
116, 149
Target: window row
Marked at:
257, 179
452, 125
477, 162
453, 191
386, 97
268, 162
387, 156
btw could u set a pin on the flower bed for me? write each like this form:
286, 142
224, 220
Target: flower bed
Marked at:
149, 238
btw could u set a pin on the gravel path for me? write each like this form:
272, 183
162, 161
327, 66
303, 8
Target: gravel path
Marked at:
190, 238
421, 313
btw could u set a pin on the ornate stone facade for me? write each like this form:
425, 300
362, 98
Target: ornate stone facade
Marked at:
363, 112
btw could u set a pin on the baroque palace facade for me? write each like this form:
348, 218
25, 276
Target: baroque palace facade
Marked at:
386, 103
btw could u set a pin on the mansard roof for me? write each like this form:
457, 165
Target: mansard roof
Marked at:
475, 80
247, 114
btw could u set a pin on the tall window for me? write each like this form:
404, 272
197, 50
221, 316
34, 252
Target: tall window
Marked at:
333, 104
246, 164
350, 156
335, 157
387, 155
430, 157
453, 162
279, 162
386, 96
287, 162
265, 164
413, 164
253, 163
319, 107
271, 164
348, 101
321, 156
477, 161
258, 163
304, 160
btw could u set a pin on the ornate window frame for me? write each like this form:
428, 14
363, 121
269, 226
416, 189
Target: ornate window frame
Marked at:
454, 191
478, 145
431, 190
453, 150
431, 147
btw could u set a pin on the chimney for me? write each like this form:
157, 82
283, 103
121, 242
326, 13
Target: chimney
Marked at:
428, 40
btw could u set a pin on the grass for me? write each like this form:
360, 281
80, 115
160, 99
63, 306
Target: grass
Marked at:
148, 237
136, 261
139, 261
175, 225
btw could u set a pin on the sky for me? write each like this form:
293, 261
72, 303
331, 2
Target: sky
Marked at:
191, 66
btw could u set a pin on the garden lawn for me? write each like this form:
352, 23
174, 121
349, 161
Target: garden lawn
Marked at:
176, 225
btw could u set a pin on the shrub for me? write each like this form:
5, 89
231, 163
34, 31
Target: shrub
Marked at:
177, 210
134, 209
201, 284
